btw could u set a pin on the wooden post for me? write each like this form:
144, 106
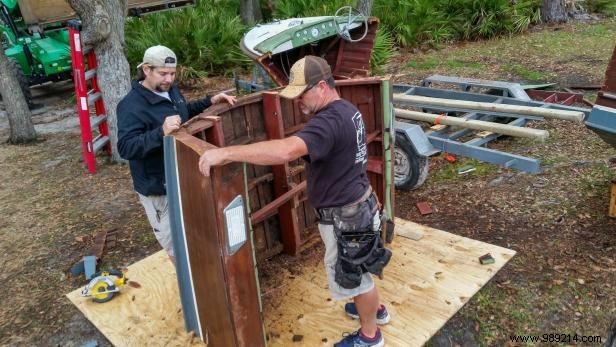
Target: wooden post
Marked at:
612, 212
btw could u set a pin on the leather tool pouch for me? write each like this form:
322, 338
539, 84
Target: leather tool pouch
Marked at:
360, 248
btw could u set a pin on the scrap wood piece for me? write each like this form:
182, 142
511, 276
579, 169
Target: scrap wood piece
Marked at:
484, 134
438, 127
424, 207
612, 212
407, 230
82, 238
111, 240
606, 96
99, 243
486, 259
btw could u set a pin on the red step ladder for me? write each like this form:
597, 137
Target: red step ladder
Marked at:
86, 97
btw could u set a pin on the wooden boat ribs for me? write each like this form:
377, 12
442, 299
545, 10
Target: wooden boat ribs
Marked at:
287, 224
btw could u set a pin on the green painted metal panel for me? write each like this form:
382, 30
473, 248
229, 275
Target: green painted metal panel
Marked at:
10, 4
53, 55
300, 35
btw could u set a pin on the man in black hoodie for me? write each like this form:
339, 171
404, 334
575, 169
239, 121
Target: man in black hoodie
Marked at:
152, 109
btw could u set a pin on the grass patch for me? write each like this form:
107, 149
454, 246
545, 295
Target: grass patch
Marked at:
578, 48
525, 73
555, 160
450, 172
596, 31
596, 182
424, 64
460, 64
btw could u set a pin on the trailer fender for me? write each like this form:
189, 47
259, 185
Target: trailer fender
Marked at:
411, 152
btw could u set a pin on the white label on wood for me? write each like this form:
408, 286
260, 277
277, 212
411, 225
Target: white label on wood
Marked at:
77, 42
236, 227
84, 103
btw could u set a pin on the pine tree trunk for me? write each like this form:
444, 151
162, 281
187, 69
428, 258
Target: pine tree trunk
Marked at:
18, 113
554, 11
365, 7
103, 28
250, 11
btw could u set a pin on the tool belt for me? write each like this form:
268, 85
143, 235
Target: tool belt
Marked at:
360, 247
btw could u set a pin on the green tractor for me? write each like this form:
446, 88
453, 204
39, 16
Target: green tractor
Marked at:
37, 56
35, 38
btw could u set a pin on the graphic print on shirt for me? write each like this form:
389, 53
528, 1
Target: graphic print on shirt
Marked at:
362, 150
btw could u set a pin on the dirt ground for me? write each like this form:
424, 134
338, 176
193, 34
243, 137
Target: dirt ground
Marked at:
562, 281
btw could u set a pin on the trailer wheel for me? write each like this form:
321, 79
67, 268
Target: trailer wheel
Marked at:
410, 169
24, 81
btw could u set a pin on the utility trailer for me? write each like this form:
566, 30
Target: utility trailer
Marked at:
460, 140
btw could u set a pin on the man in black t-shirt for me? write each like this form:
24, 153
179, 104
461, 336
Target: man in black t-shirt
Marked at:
333, 142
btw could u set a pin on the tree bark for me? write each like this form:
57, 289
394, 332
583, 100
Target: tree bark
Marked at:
554, 11
365, 7
250, 12
103, 28
15, 104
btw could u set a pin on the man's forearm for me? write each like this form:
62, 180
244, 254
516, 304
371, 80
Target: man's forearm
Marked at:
273, 152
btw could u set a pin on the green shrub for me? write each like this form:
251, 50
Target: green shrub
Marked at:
205, 37
601, 6
382, 51
308, 8
413, 22
416, 22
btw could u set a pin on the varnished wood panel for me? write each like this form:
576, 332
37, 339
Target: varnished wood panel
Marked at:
224, 284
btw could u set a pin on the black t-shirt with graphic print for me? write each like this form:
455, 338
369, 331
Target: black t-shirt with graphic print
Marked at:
337, 155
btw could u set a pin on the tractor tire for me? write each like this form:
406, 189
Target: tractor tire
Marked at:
410, 169
24, 81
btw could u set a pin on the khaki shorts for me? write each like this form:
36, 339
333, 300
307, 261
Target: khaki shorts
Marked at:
331, 256
157, 210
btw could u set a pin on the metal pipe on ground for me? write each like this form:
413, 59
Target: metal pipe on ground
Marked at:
499, 128
574, 116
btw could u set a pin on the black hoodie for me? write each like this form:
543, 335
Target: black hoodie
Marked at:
140, 134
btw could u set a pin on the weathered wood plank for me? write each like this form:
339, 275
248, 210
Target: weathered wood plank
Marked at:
612, 212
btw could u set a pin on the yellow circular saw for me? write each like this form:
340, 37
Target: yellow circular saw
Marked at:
104, 285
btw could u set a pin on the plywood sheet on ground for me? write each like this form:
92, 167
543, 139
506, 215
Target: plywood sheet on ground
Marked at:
149, 315
425, 284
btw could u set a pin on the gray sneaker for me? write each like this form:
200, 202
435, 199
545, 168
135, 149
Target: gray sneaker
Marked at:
382, 316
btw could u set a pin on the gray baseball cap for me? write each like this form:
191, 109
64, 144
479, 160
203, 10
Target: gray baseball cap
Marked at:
159, 56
